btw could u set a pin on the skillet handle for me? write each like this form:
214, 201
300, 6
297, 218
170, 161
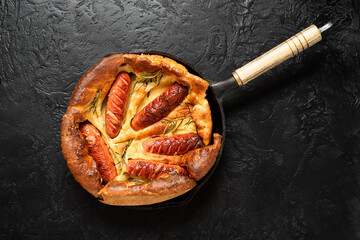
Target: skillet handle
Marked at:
277, 55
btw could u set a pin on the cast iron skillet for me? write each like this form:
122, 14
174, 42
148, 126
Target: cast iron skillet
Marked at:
214, 95
216, 91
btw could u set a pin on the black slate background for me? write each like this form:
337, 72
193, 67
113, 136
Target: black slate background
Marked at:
290, 167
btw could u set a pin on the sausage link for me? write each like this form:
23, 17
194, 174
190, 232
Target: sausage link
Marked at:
99, 151
171, 145
151, 169
160, 107
116, 104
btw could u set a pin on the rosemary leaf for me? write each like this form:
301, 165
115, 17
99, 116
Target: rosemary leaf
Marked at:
188, 122
172, 125
157, 78
94, 101
125, 149
167, 125
145, 80
152, 75
178, 125
123, 153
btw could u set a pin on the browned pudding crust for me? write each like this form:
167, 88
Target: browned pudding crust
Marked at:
177, 170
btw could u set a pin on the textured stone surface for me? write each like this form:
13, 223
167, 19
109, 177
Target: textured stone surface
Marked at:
290, 166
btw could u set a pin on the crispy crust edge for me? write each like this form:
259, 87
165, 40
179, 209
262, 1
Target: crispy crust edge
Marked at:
80, 164
199, 161
158, 190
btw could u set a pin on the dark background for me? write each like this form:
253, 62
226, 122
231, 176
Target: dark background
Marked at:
290, 167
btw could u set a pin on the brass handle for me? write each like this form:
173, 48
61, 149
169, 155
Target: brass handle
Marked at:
294, 45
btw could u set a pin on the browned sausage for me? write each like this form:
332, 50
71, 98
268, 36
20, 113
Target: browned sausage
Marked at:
99, 151
159, 107
151, 169
116, 104
171, 145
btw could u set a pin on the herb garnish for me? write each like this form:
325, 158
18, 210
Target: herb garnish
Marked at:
146, 79
172, 125
123, 153
188, 122
93, 103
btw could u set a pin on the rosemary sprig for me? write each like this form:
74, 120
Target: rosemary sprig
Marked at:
172, 124
144, 80
93, 103
123, 153
178, 125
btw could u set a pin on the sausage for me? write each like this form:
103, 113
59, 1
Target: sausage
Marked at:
99, 151
159, 107
171, 145
151, 169
116, 104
